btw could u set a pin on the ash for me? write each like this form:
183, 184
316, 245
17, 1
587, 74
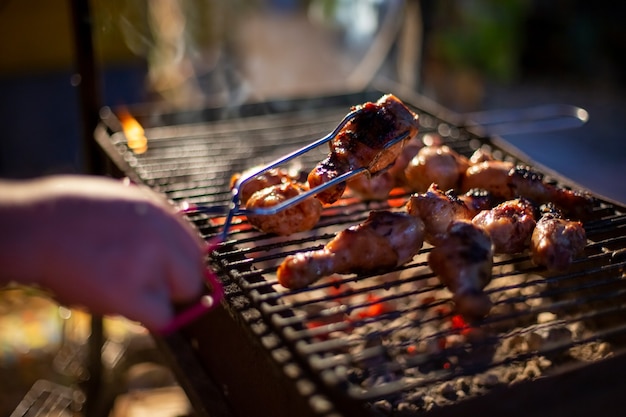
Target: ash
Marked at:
412, 354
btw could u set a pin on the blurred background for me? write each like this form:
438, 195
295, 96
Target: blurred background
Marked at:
467, 55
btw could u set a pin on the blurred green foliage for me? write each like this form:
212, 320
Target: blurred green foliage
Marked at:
482, 35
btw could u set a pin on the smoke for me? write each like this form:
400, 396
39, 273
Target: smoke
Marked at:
188, 46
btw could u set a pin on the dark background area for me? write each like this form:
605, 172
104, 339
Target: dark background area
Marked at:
573, 54
568, 52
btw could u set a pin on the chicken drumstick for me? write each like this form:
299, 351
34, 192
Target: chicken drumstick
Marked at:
366, 141
463, 262
556, 241
385, 240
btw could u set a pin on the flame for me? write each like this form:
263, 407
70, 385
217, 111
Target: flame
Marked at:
134, 132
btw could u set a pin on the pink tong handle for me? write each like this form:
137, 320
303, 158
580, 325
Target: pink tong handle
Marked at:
206, 303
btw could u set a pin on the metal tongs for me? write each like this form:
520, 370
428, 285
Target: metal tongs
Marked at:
542, 118
235, 209
534, 119
210, 301
537, 119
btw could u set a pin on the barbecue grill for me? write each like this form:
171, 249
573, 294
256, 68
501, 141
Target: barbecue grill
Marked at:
372, 344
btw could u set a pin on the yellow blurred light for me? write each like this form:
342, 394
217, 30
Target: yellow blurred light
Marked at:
134, 132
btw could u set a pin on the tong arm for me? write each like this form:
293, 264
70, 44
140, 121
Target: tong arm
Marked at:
544, 118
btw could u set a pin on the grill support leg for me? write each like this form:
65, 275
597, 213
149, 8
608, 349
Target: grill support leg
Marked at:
93, 163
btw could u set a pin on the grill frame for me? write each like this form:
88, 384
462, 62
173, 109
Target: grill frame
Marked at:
198, 355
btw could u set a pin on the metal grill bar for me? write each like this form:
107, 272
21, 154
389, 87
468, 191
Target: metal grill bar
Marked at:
382, 336
46, 398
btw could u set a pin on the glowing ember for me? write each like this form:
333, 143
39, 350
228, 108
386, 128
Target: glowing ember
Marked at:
238, 223
397, 197
375, 307
340, 291
135, 136
458, 322
461, 326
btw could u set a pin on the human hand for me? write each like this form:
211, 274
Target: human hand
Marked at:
93, 241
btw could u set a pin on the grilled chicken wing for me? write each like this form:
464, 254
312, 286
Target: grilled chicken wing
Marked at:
556, 241
366, 141
510, 225
507, 181
463, 262
437, 209
385, 240
303, 216
438, 164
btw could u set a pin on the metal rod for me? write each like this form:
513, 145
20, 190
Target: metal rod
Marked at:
93, 163
234, 208
88, 83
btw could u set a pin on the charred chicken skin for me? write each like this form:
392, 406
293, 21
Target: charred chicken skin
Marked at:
510, 225
556, 241
438, 209
384, 240
438, 164
301, 217
463, 262
366, 141
507, 181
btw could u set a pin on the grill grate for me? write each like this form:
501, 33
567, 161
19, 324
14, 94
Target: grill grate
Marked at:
46, 398
391, 341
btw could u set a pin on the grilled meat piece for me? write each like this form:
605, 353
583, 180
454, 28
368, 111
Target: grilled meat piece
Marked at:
410, 149
480, 155
510, 225
463, 262
492, 176
477, 200
327, 170
366, 141
268, 178
556, 241
438, 164
383, 241
437, 209
379, 186
375, 188
507, 181
303, 216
